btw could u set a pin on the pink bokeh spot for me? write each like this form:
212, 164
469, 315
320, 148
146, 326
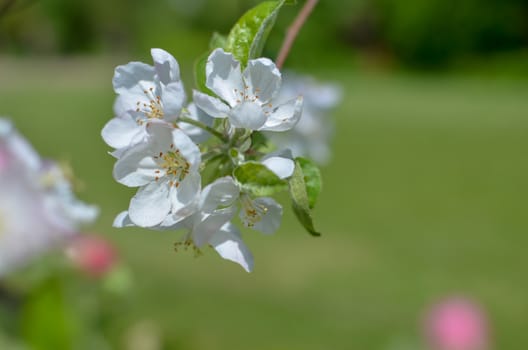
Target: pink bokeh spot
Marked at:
456, 324
93, 255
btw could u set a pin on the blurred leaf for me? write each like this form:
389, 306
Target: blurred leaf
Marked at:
248, 36
258, 180
118, 280
300, 201
46, 322
312, 179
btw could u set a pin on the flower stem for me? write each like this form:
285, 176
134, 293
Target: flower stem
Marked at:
293, 31
202, 126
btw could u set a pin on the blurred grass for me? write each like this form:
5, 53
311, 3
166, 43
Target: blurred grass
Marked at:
425, 197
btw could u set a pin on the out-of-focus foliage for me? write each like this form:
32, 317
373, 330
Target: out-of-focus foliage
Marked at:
434, 32
415, 32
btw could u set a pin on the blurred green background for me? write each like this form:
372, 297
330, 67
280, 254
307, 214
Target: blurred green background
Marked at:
425, 196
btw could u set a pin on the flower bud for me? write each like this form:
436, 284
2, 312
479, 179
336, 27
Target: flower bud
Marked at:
92, 254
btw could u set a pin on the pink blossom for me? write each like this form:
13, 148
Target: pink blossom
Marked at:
93, 255
456, 324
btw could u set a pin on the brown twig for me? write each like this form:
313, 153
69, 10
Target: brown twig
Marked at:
293, 31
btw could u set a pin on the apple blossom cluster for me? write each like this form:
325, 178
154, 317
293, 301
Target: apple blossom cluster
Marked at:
38, 209
200, 165
204, 163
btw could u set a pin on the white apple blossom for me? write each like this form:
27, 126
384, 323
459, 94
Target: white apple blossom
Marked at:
147, 93
211, 223
247, 98
311, 136
165, 167
262, 214
155, 92
155, 140
37, 207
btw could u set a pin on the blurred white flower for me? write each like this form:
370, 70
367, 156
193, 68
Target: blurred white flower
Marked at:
166, 169
247, 98
311, 136
37, 207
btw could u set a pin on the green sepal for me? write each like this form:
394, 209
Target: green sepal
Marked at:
312, 179
258, 180
300, 200
248, 36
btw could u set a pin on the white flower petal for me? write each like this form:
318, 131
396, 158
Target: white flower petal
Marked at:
221, 193
210, 105
174, 223
151, 204
189, 150
248, 115
135, 167
183, 196
138, 96
266, 216
228, 243
166, 65
128, 76
209, 224
122, 220
263, 78
120, 131
159, 135
196, 134
172, 97
285, 116
282, 167
18, 146
223, 76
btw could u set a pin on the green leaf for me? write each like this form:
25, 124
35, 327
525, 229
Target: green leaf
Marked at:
300, 201
199, 73
248, 36
312, 179
258, 180
258, 140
